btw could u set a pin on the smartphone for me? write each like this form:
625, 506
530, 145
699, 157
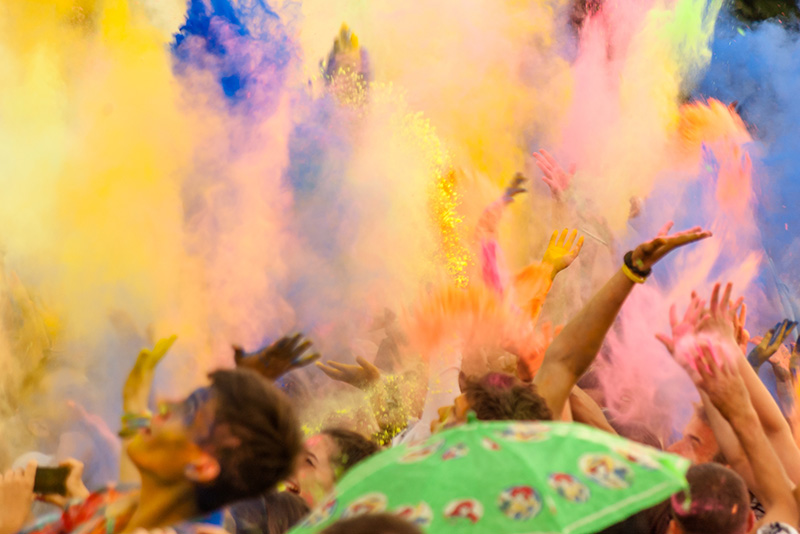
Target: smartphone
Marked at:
51, 480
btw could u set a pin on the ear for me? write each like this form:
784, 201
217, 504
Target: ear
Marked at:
462, 381
751, 521
203, 469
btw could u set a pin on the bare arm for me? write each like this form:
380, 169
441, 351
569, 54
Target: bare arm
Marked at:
574, 350
729, 445
775, 426
585, 410
135, 398
720, 379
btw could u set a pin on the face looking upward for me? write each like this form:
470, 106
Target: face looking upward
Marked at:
170, 451
698, 443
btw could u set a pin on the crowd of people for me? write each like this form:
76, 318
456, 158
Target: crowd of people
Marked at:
232, 456
240, 456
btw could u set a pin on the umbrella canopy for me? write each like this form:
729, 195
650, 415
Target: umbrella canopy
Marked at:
508, 478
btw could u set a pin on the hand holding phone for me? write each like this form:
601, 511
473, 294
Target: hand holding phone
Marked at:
51, 480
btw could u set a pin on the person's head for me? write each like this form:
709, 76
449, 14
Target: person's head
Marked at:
232, 440
654, 520
273, 513
327, 456
494, 397
637, 432
720, 503
698, 443
373, 524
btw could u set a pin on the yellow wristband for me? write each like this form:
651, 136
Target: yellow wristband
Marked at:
633, 277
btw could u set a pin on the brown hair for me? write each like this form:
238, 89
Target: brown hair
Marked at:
373, 524
503, 397
720, 501
274, 513
255, 438
352, 447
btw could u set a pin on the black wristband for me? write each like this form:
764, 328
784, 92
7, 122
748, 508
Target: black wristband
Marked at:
635, 270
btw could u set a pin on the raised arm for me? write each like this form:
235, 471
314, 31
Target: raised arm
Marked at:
717, 374
573, 351
486, 235
135, 399
718, 322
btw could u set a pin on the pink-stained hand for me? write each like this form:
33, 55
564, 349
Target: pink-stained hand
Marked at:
717, 374
682, 327
556, 178
721, 317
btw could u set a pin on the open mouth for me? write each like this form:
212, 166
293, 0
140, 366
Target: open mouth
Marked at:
292, 487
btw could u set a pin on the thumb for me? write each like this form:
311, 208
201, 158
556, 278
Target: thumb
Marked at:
667, 342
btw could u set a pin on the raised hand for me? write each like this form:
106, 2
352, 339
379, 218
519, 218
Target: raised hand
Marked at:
556, 178
781, 363
515, 187
742, 335
717, 374
769, 344
136, 391
362, 376
721, 317
562, 251
682, 327
16, 498
648, 254
272, 362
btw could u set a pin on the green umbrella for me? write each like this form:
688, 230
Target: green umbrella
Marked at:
508, 477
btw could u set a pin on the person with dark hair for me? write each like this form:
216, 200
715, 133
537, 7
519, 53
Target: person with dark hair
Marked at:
373, 524
232, 440
654, 520
720, 502
326, 458
494, 397
273, 513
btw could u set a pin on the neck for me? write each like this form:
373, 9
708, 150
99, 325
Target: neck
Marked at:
162, 505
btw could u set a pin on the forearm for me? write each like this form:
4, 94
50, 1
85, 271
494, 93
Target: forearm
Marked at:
581, 339
775, 426
729, 445
786, 395
769, 476
574, 349
585, 410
